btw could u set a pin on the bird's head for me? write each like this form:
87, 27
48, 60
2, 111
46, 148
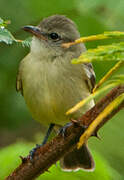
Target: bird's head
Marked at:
51, 33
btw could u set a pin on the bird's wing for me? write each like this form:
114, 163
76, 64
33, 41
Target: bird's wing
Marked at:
90, 77
19, 86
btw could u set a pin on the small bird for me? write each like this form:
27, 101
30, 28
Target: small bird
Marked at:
51, 85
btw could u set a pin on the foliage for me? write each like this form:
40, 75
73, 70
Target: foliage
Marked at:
5, 35
8, 38
113, 52
102, 53
91, 17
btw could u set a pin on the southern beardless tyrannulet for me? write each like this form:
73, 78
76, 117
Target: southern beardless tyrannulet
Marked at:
51, 84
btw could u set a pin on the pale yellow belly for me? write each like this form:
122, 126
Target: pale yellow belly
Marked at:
49, 96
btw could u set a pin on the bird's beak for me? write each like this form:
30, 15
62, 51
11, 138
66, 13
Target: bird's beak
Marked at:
35, 31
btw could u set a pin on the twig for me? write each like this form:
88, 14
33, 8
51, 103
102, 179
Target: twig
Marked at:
59, 146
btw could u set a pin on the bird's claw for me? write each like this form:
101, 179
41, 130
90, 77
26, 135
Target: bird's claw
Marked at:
32, 152
62, 130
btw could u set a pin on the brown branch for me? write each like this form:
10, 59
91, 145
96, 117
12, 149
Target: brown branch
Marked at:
59, 146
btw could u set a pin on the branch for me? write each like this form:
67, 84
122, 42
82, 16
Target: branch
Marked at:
50, 153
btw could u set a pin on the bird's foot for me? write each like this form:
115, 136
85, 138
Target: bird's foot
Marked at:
62, 130
32, 152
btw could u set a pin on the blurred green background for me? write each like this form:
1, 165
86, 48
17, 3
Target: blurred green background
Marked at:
16, 124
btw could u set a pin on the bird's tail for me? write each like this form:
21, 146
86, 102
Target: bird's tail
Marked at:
78, 159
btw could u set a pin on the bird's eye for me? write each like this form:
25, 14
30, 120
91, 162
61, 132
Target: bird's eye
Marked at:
54, 36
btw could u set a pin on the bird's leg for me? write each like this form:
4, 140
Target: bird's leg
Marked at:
62, 130
44, 141
51, 126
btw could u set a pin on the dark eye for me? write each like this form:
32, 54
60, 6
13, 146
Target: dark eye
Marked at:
54, 36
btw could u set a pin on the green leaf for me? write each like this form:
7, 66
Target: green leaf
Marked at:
6, 36
27, 42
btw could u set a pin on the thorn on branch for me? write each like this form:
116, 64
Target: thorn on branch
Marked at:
23, 159
96, 135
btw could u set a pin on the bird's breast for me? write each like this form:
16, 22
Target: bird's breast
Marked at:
50, 89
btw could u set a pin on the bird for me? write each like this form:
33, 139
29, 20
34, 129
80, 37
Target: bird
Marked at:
51, 84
